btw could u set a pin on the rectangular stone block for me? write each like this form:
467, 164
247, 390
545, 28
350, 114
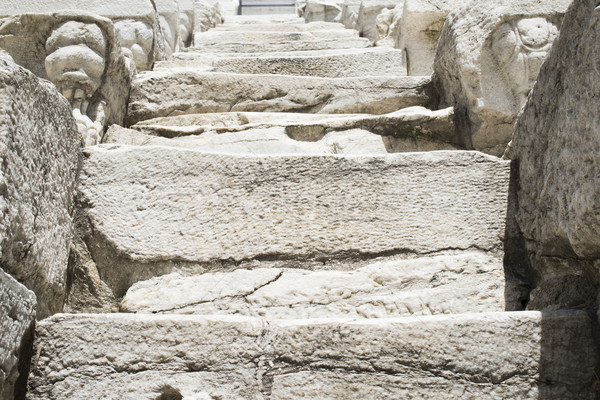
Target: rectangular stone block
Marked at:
523, 355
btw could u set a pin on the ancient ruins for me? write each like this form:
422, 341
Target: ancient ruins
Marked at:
326, 199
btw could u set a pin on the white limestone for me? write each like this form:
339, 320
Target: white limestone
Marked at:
471, 356
168, 16
39, 160
487, 60
323, 10
367, 16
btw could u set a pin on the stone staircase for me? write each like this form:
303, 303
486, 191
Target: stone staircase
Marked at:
269, 188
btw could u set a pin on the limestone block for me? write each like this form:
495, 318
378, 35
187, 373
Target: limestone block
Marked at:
323, 10
557, 147
385, 25
281, 27
344, 63
284, 46
186, 23
199, 92
520, 355
487, 60
39, 152
156, 210
136, 22
349, 15
214, 38
367, 16
81, 55
207, 15
420, 29
17, 318
442, 284
168, 16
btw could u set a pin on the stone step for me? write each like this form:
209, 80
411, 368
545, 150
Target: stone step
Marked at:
155, 210
517, 355
375, 61
447, 283
215, 38
308, 27
290, 45
283, 19
165, 93
410, 129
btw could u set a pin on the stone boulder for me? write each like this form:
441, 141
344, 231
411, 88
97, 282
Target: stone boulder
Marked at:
17, 318
556, 145
487, 60
53, 45
39, 153
367, 16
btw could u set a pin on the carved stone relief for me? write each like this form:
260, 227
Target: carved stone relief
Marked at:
137, 39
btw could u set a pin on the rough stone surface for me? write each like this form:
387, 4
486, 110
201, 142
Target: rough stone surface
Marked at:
323, 10
168, 16
39, 153
81, 55
17, 318
472, 356
487, 60
207, 15
367, 15
440, 284
168, 93
349, 15
420, 28
156, 209
294, 45
333, 64
557, 149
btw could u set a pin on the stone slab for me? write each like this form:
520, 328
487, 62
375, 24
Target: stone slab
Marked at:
556, 145
520, 355
17, 320
192, 92
156, 210
296, 45
212, 38
354, 63
40, 154
487, 61
304, 27
450, 283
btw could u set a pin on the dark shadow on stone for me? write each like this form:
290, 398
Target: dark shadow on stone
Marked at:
517, 268
168, 392
25, 356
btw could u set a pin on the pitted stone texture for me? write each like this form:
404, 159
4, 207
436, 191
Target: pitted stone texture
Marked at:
81, 55
473, 356
155, 210
39, 153
556, 144
169, 93
440, 284
487, 59
420, 28
17, 318
367, 15
333, 64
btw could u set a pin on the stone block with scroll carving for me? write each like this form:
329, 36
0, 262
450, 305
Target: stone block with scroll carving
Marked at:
487, 60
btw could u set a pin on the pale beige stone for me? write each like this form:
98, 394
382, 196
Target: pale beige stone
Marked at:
40, 153
17, 320
323, 10
200, 92
472, 356
487, 60
367, 15
349, 15
557, 150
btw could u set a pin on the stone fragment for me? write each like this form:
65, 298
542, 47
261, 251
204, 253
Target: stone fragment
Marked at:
17, 319
420, 28
487, 60
323, 10
168, 16
344, 63
192, 92
156, 210
81, 55
40, 153
557, 148
520, 355
367, 15
441, 284
349, 15
207, 15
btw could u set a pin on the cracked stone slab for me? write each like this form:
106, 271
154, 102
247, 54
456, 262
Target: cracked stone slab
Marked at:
39, 160
155, 209
374, 61
520, 355
185, 91
450, 283
17, 319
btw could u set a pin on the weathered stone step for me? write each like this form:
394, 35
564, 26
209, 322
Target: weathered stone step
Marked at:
215, 38
155, 210
261, 27
519, 355
283, 19
410, 129
290, 45
185, 91
375, 61
447, 283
